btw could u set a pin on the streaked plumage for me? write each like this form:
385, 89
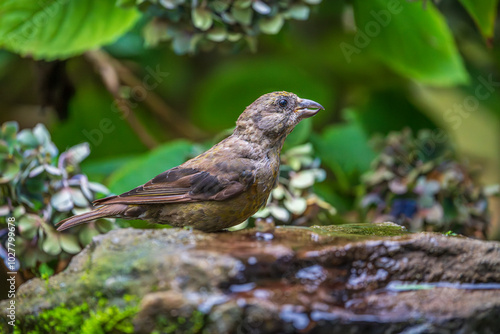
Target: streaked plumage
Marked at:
221, 187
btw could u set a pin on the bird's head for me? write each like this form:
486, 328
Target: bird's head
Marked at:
275, 115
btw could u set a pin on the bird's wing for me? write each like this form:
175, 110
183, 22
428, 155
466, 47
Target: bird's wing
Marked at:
181, 185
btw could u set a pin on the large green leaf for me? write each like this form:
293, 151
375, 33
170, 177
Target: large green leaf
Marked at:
145, 167
345, 150
98, 170
346, 145
94, 118
52, 29
225, 92
377, 115
484, 13
412, 40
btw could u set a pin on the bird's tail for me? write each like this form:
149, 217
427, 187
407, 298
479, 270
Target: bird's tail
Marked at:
102, 212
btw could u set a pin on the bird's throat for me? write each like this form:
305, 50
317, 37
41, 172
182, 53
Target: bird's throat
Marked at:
258, 138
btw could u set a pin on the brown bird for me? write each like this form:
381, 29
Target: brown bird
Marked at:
223, 186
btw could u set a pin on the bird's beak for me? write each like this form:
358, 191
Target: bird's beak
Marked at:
307, 108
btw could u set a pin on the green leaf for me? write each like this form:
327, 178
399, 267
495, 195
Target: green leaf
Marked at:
306, 149
86, 234
217, 34
298, 12
219, 6
104, 225
98, 188
4, 148
146, 167
4, 210
279, 213
344, 148
303, 179
261, 7
170, 4
69, 243
484, 13
202, 18
61, 201
78, 198
126, 3
41, 134
19, 211
8, 171
377, 115
76, 154
51, 244
278, 192
243, 3
296, 206
28, 225
242, 15
45, 270
271, 25
9, 130
61, 28
428, 55
262, 213
312, 2
27, 138
99, 169
234, 37
52, 170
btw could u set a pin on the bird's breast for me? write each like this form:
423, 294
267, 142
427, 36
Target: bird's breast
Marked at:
267, 175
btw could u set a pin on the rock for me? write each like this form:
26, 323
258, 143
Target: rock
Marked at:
355, 279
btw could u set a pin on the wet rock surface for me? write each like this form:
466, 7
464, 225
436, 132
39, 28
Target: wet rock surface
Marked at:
350, 279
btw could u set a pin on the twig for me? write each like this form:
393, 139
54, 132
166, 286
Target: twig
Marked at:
156, 104
111, 80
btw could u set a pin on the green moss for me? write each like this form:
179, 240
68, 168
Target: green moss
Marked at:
383, 230
99, 318
192, 325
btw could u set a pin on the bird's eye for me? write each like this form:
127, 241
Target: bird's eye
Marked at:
283, 103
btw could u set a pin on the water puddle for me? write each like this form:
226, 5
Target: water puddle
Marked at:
398, 286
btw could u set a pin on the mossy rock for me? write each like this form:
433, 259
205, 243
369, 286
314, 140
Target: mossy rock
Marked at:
329, 278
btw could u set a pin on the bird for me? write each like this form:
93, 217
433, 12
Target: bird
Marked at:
221, 187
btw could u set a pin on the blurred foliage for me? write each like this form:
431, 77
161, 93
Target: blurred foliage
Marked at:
39, 187
293, 201
417, 182
227, 24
